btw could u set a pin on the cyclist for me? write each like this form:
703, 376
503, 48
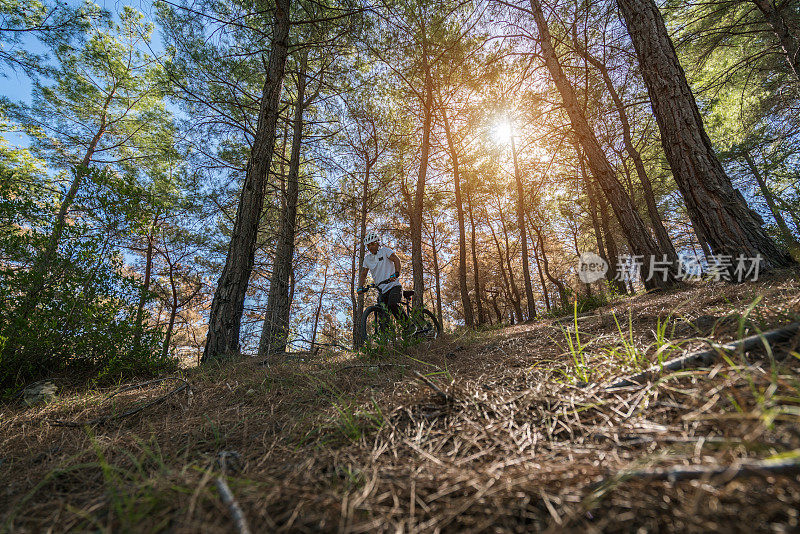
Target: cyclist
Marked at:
382, 263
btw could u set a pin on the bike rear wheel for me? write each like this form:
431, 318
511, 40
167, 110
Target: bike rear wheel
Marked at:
426, 324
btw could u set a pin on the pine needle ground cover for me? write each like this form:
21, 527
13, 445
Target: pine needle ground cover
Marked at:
507, 430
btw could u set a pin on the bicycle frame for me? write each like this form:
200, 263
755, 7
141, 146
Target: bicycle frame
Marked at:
404, 302
417, 324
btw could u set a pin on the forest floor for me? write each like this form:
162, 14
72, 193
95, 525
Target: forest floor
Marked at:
502, 430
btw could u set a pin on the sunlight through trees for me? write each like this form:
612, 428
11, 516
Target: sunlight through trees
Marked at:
195, 181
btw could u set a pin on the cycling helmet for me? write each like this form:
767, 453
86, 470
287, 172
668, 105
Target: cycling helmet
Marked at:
371, 237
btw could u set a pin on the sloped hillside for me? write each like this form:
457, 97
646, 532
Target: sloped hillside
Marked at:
506, 430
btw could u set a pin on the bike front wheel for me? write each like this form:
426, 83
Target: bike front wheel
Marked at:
376, 325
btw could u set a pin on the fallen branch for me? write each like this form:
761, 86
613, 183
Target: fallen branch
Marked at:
434, 387
707, 357
230, 462
368, 365
106, 418
761, 468
635, 441
236, 510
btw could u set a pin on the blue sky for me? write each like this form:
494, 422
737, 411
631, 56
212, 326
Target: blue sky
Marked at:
16, 86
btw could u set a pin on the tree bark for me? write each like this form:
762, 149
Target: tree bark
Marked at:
713, 205
789, 41
598, 234
517, 301
275, 331
526, 271
639, 238
791, 211
148, 268
436, 273
227, 306
545, 292
662, 236
359, 309
419, 194
478, 301
513, 295
604, 250
173, 312
319, 308
562, 290
356, 301
469, 319
611, 246
497, 309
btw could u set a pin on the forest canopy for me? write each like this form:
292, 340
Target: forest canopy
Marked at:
189, 181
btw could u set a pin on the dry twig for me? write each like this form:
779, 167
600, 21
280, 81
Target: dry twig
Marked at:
762, 468
707, 357
434, 387
236, 510
106, 418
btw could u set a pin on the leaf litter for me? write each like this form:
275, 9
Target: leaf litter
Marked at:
496, 431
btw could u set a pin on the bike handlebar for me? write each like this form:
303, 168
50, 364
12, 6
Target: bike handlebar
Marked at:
375, 286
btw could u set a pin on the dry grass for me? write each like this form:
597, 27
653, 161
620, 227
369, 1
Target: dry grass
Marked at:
519, 444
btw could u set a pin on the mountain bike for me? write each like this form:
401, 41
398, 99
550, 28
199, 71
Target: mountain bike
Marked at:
377, 321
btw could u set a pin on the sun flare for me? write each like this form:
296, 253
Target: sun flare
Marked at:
501, 131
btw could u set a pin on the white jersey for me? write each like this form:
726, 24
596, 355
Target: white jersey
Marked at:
381, 267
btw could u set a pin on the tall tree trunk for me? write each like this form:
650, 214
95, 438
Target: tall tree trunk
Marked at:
148, 269
275, 331
545, 292
496, 309
478, 297
713, 205
359, 308
437, 276
574, 231
664, 241
611, 247
356, 301
562, 290
598, 234
789, 41
791, 211
469, 320
419, 195
702, 241
526, 271
173, 312
791, 241
319, 308
638, 236
602, 250
513, 295
44, 262
227, 306
436, 273
517, 302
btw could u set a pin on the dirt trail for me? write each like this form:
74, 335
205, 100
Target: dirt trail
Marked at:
514, 433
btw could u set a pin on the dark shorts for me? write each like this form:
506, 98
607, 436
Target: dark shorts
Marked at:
392, 300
